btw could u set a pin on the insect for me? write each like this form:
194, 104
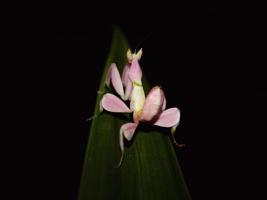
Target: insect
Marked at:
149, 109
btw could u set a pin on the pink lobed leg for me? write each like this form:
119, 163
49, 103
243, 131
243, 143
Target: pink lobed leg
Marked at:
168, 118
113, 75
127, 130
112, 103
153, 104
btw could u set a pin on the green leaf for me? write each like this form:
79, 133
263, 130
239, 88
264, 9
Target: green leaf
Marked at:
150, 169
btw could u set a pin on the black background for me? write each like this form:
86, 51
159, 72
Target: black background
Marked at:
210, 59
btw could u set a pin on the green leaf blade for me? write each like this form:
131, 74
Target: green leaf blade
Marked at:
150, 169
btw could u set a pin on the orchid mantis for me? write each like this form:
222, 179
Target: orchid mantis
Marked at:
150, 109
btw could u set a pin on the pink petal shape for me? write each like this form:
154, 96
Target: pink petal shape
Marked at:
169, 118
125, 74
114, 75
135, 72
112, 103
127, 130
128, 90
153, 104
127, 82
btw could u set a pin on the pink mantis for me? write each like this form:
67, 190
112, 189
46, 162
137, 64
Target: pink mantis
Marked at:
150, 109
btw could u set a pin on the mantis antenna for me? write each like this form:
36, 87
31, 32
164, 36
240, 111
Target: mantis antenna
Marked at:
142, 41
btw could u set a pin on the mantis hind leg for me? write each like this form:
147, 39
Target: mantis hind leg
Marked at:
121, 159
175, 142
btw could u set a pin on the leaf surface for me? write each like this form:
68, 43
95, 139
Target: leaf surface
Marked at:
150, 169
